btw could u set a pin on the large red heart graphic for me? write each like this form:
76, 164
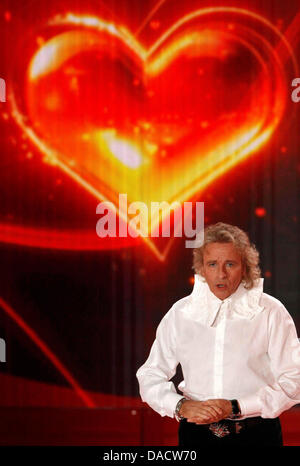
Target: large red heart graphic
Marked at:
158, 124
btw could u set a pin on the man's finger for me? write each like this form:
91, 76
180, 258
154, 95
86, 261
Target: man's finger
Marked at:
219, 411
201, 420
211, 411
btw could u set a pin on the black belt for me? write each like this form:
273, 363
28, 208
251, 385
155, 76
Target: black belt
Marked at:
225, 427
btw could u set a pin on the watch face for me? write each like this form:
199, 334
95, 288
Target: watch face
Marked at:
177, 409
178, 406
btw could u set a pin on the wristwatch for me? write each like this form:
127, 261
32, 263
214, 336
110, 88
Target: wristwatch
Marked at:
236, 412
177, 416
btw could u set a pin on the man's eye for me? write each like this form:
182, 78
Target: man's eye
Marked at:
211, 265
230, 264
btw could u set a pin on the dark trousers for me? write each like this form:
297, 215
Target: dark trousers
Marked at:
266, 432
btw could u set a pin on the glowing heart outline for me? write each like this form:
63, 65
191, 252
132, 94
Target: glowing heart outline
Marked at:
252, 143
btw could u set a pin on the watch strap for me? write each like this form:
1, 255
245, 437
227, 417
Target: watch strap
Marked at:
236, 412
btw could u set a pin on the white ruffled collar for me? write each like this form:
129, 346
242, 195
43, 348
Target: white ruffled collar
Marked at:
204, 305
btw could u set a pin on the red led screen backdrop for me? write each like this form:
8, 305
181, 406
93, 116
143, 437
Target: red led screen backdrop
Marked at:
128, 103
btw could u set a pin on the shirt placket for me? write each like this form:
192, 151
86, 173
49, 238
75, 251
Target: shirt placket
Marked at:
219, 351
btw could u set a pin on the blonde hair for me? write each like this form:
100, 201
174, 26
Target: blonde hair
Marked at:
224, 233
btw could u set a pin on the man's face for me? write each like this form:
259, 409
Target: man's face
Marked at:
222, 268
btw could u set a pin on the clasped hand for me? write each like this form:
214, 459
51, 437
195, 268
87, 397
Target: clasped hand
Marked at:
206, 412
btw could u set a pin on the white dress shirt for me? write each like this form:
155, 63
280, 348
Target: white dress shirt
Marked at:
244, 347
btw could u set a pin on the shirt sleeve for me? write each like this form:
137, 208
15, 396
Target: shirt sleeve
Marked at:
155, 388
284, 352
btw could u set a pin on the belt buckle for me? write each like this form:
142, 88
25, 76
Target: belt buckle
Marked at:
219, 429
238, 427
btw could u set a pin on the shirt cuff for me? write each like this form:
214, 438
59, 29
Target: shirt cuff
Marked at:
250, 405
170, 403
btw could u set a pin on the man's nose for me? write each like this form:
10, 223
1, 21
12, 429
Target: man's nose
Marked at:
222, 272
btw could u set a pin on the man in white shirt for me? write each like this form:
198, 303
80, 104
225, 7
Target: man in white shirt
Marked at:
237, 346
